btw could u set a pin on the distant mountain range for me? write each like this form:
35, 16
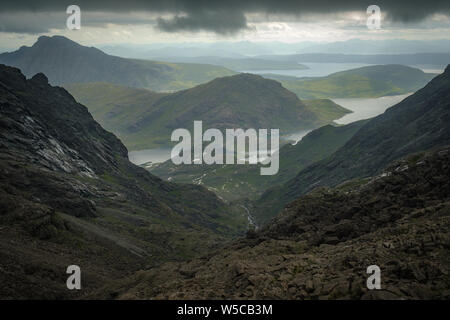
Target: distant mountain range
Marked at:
392, 46
420, 122
364, 82
144, 119
239, 64
69, 195
65, 61
405, 59
240, 49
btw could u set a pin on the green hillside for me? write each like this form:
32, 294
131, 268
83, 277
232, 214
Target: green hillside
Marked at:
237, 182
365, 82
145, 119
325, 109
239, 64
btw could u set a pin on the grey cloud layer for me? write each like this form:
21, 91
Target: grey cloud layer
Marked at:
220, 16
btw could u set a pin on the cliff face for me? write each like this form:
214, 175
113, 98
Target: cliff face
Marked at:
67, 188
53, 127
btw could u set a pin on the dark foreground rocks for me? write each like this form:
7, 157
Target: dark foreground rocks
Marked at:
320, 246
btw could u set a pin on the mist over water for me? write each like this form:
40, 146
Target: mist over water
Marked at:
156, 155
295, 137
365, 108
159, 155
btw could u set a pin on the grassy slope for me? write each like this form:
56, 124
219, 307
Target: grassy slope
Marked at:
257, 64
365, 82
188, 75
116, 107
239, 64
145, 119
234, 182
325, 109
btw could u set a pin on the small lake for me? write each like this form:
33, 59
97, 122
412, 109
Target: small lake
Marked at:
365, 108
430, 68
159, 155
162, 154
156, 155
295, 136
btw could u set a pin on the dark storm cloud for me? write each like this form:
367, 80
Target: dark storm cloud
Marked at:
218, 21
17, 26
223, 16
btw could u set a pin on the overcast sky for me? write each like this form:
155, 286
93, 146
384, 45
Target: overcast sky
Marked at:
140, 22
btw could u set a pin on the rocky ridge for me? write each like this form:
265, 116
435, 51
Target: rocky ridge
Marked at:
69, 195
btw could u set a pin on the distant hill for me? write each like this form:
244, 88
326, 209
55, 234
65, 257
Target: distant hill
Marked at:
117, 108
144, 119
365, 82
65, 61
231, 49
239, 64
419, 122
387, 46
240, 182
442, 58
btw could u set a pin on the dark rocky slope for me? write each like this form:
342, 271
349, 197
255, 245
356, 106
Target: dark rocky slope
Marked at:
69, 195
320, 246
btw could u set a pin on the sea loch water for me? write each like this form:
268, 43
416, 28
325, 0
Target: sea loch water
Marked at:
365, 108
362, 109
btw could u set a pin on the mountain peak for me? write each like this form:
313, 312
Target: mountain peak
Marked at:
50, 55
40, 78
245, 77
447, 69
54, 40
